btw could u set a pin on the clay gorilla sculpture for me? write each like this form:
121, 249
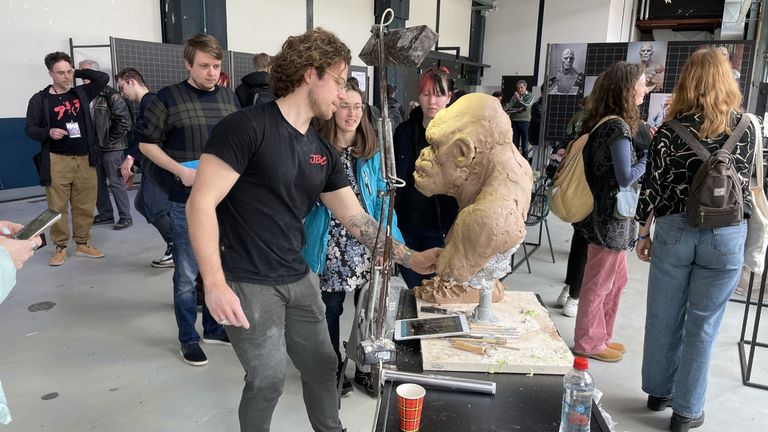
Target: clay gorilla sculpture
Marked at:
472, 158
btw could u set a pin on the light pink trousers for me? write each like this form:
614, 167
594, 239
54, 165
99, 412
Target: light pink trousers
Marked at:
605, 277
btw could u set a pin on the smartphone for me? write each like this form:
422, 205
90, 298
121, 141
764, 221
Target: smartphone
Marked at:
39, 224
426, 328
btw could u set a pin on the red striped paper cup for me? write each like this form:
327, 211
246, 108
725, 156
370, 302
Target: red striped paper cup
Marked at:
410, 401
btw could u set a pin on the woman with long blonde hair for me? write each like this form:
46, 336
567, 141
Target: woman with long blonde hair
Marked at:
694, 271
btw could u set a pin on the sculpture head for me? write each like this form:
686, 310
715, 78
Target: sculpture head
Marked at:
646, 52
567, 58
463, 139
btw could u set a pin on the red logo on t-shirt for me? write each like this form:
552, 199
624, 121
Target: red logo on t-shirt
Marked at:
66, 106
317, 159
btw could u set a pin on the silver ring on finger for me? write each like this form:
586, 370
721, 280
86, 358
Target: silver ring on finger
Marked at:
224, 322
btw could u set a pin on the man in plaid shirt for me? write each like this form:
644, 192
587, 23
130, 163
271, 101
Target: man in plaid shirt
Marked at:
174, 130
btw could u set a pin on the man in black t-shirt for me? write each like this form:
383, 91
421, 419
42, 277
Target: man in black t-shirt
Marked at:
262, 170
58, 117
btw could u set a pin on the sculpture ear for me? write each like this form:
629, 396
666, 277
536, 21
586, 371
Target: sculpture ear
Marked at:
463, 152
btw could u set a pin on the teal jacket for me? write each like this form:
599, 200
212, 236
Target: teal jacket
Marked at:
317, 224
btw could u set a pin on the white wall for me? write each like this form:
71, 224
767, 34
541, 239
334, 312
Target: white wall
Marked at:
510, 36
34, 28
510, 40
351, 20
253, 26
455, 19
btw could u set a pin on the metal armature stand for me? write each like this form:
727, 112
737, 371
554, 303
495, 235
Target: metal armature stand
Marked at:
748, 361
406, 47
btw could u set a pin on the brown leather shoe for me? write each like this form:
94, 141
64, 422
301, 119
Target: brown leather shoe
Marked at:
89, 251
607, 355
58, 257
617, 346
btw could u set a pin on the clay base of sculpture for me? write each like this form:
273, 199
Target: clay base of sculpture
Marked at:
437, 290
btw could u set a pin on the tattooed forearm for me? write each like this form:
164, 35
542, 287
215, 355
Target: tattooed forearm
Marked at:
364, 228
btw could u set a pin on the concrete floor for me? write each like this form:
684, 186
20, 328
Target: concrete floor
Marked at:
105, 357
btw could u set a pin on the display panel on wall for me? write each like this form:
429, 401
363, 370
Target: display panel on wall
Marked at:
573, 68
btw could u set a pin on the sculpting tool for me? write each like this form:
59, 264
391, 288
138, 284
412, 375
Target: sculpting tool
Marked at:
493, 340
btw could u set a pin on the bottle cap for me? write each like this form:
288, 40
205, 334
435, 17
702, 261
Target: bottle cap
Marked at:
580, 363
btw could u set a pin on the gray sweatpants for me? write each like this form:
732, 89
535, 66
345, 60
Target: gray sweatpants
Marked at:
285, 319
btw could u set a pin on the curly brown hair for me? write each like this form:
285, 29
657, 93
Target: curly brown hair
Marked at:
365, 144
317, 48
614, 94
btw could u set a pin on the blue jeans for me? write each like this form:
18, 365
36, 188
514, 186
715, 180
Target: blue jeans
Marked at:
693, 274
184, 274
419, 241
152, 203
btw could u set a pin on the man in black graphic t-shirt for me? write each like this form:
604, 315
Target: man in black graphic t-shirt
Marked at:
59, 118
261, 171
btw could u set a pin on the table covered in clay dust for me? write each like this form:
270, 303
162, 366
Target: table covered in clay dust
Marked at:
527, 326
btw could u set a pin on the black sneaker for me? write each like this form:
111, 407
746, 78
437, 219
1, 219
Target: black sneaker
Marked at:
103, 220
221, 339
682, 424
165, 261
364, 380
193, 355
346, 388
123, 223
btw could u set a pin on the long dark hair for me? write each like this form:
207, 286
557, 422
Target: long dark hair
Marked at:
614, 94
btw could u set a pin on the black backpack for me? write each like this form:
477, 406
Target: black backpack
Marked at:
715, 197
262, 95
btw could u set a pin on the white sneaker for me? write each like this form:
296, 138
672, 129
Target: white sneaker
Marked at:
563, 297
571, 307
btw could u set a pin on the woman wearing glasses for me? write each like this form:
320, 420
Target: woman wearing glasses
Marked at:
424, 221
341, 262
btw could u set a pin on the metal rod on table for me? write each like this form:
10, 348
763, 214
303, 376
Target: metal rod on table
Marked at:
441, 381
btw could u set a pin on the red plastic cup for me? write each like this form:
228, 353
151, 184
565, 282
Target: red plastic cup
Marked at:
410, 401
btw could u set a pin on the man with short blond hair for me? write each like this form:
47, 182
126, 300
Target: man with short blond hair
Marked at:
58, 117
172, 135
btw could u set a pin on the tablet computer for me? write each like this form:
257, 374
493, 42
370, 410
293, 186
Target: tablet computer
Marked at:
426, 328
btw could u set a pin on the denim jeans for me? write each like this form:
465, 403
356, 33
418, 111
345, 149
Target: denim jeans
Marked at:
693, 274
110, 180
152, 203
184, 274
285, 319
520, 137
419, 241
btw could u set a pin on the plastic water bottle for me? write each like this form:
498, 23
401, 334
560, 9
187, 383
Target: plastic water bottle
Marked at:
578, 387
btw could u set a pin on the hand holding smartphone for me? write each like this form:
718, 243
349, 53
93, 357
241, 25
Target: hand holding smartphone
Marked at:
39, 224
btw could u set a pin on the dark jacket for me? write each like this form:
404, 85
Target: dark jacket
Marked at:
253, 83
408, 142
38, 125
111, 119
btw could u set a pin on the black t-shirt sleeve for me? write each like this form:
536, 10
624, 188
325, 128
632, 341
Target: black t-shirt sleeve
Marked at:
233, 143
337, 178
